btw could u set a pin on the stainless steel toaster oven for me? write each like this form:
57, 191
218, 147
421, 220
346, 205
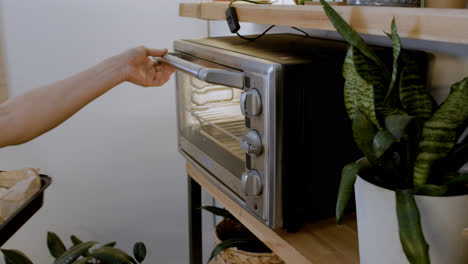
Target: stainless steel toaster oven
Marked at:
265, 121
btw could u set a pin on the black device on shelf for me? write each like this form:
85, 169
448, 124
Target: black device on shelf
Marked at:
29, 208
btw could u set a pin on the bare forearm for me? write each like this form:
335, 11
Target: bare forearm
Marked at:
29, 115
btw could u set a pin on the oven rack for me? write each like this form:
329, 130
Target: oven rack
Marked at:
223, 123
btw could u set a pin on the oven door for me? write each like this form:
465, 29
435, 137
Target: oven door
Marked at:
211, 123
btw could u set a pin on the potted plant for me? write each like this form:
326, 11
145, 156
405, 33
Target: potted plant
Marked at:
80, 253
411, 197
235, 244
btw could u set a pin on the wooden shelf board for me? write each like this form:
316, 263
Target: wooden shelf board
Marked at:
316, 243
445, 25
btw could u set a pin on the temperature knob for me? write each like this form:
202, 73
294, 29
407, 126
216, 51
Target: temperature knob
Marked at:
251, 103
252, 183
251, 143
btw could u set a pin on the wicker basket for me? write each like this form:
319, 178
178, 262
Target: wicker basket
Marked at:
237, 256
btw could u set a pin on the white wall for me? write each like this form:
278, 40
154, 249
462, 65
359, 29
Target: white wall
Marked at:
117, 174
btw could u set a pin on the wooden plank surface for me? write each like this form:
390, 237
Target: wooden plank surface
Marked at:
316, 243
446, 25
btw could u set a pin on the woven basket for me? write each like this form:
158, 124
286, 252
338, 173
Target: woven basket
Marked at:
237, 256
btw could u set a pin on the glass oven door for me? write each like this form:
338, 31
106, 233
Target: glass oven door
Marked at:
210, 119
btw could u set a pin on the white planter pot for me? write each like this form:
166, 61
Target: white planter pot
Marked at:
443, 222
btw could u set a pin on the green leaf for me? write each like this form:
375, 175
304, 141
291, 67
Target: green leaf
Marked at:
75, 240
348, 177
361, 90
458, 185
55, 245
430, 190
227, 244
383, 140
13, 256
352, 84
371, 97
397, 124
218, 211
460, 179
363, 133
74, 253
351, 36
110, 244
139, 251
456, 158
109, 255
414, 97
411, 236
391, 99
440, 131
82, 260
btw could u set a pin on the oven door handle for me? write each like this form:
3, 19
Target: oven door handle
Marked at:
209, 75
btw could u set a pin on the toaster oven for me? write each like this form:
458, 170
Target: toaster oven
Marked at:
265, 120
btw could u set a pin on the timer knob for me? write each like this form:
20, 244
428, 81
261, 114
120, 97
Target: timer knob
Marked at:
251, 143
252, 183
251, 103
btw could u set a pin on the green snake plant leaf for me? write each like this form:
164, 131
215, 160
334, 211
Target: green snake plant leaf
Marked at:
383, 140
75, 240
227, 244
359, 93
390, 98
110, 244
109, 255
348, 177
409, 224
456, 158
398, 124
84, 260
440, 131
74, 253
139, 251
13, 256
218, 211
461, 179
372, 74
458, 185
431, 190
55, 245
363, 133
352, 37
414, 97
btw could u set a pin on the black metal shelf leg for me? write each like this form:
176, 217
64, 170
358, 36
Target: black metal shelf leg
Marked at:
195, 221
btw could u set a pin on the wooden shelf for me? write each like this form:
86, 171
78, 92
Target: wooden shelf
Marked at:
316, 243
446, 25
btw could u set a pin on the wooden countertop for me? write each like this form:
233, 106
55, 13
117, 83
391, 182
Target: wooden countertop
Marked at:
316, 243
446, 25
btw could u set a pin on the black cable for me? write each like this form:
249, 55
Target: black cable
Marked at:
264, 32
257, 37
300, 30
252, 2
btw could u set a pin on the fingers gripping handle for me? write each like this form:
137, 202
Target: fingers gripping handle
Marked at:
209, 75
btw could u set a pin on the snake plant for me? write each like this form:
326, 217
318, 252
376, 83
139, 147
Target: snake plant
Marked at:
413, 145
80, 253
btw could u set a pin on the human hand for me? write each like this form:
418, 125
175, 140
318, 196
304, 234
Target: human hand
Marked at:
142, 70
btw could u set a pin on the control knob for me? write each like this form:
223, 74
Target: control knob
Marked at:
251, 143
252, 183
251, 103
